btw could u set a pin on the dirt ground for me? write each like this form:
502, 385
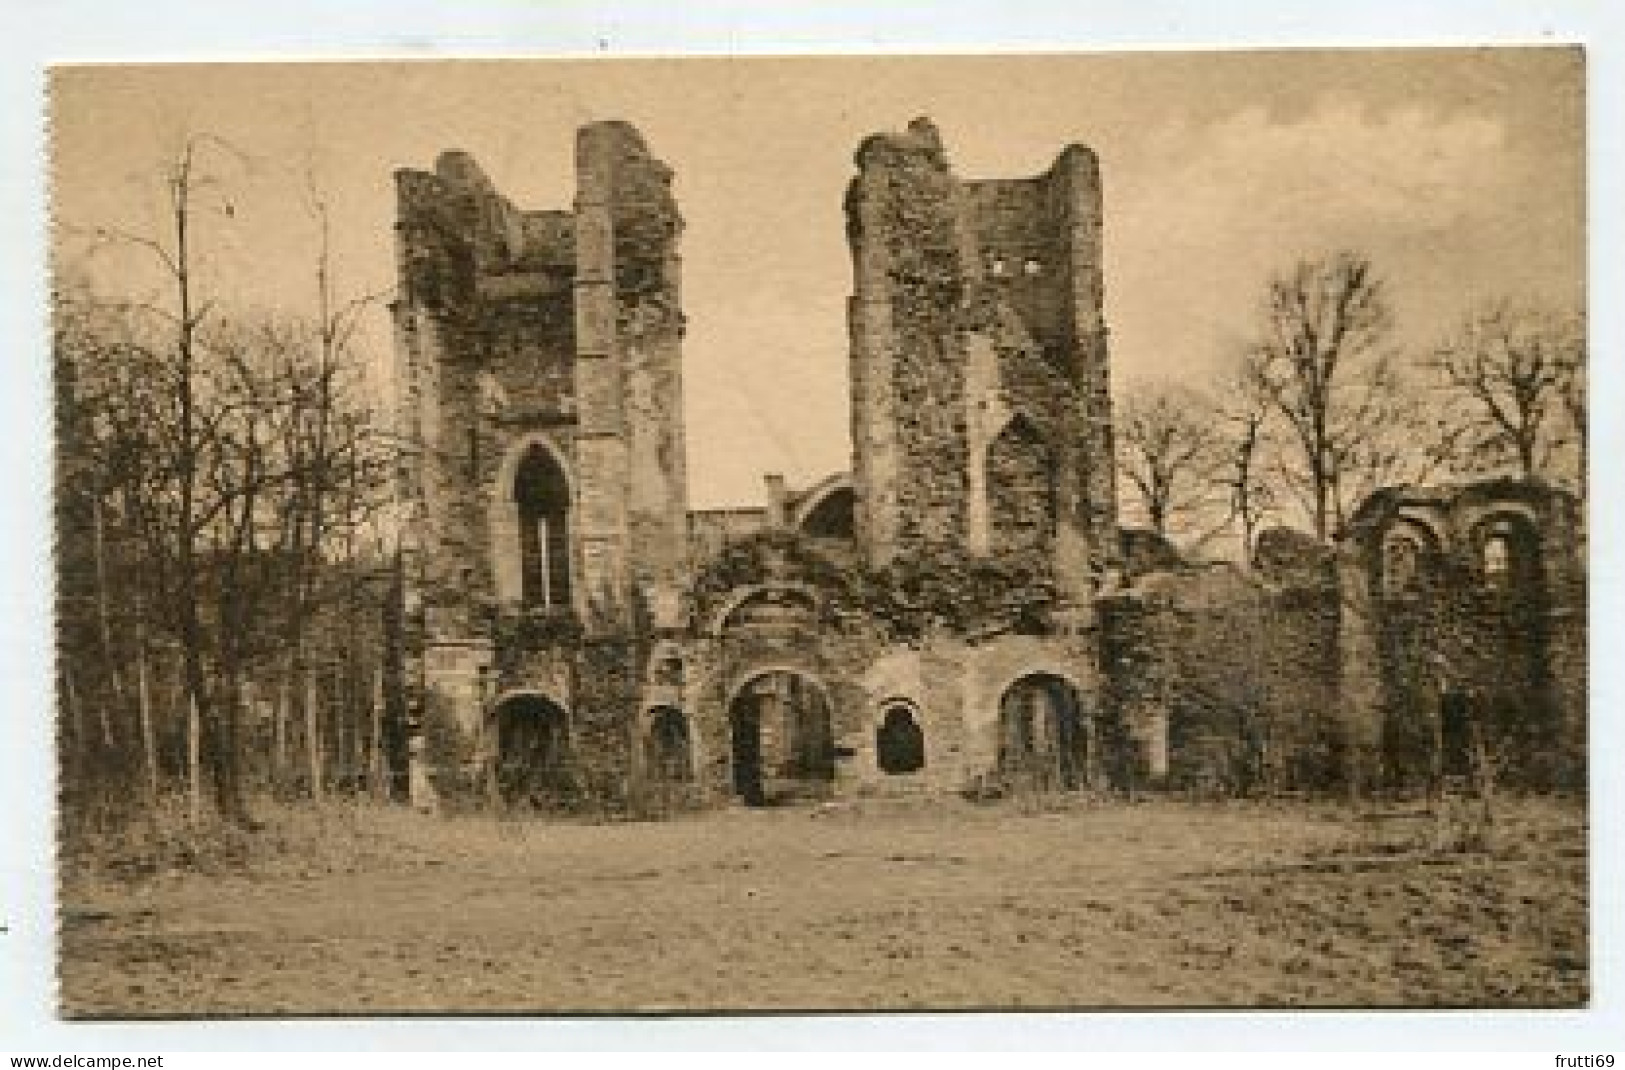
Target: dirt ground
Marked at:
869, 906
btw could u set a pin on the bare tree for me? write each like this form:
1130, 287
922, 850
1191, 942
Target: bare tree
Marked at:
1321, 364
1242, 467
1505, 378
1166, 442
1572, 389
224, 469
175, 514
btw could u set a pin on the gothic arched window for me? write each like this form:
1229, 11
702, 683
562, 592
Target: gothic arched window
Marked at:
542, 496
1020, 489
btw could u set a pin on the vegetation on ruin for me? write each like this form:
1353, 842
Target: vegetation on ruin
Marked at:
230, 619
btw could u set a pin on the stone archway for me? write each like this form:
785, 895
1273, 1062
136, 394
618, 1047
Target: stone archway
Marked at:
828, 509
532, 749
781, 737
1043, 733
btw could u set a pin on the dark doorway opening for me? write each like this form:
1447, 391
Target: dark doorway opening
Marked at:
832, 517
1455, 734
899, 742
1042, 733
533, 750
746, 725
783, 742
669, 750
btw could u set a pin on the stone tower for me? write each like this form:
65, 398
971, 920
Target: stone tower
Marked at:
981, 412
543, 480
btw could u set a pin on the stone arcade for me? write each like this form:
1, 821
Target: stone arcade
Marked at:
955, 614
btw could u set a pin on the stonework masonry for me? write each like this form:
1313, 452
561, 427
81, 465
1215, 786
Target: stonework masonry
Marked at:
956, 613
978, 359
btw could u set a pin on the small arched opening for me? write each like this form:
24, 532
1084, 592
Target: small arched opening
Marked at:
831, 515
1042, 731
533, 749
899, 741
542, 497
1409, 560
1506, 549
670, 755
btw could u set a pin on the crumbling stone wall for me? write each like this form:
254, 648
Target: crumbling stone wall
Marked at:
1225, 682
555, 330
976, 304
1503, 650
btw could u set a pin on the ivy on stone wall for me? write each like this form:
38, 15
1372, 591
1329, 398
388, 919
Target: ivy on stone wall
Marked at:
929, 589
519, 631
946, 588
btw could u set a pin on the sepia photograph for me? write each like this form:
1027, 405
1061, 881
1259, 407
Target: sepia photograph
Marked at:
867, 533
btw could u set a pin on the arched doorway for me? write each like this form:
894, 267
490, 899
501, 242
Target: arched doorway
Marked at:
542, 496
899, 741
1043, 734
533, 750
670, 756
782, 740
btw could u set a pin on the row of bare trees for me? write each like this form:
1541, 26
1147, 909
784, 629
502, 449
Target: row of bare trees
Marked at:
1322, 408
219, 509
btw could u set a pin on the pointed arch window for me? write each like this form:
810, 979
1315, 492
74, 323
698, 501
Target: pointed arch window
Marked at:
1021, 489
542, 497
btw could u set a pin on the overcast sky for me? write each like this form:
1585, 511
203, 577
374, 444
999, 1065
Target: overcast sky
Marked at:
1459, 172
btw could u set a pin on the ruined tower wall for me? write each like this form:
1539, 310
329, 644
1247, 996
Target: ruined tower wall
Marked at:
525, 330
629, 330
977, 304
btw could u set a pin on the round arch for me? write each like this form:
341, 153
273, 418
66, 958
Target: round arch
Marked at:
833, 493
1506, 550
783, 733
899, 737
738, 597
1044, 728
1409, 556
532, 748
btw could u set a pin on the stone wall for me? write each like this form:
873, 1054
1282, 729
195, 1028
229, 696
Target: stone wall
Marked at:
977, 304
1453, 637
1224, 682
545, 330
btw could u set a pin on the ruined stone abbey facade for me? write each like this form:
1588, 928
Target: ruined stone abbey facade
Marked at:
955, 613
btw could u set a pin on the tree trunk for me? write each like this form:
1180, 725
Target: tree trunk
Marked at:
143, 698
313, 737
376, 775
194, 763
279, 732
103, 615
72, 741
